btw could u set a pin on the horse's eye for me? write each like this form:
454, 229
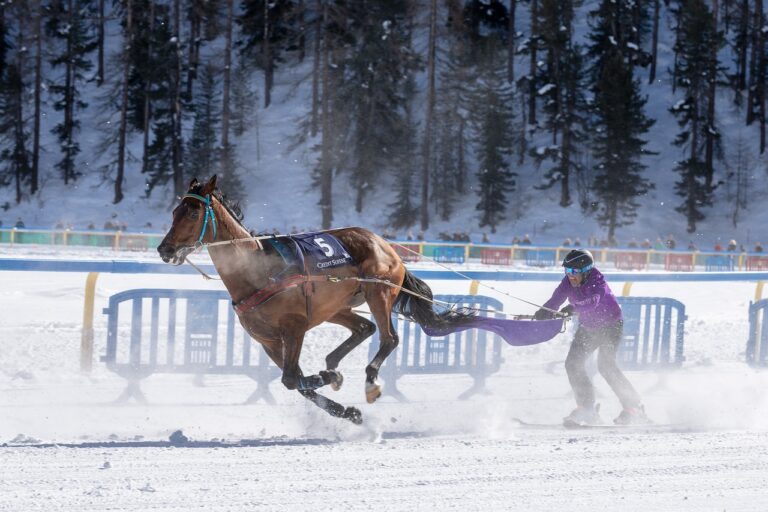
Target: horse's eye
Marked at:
193, 214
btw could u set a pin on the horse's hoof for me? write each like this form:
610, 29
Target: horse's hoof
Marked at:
337, 379
372, 392
354, 415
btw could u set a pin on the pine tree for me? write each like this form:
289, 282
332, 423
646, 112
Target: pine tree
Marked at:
696, 37
492, 119
272, 26
377, 72
71, 24
564, 105
202, 147
155, 104
619, 118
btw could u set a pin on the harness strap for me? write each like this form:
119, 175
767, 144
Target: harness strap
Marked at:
262, 295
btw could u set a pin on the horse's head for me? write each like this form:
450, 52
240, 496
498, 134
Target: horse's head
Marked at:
193, 223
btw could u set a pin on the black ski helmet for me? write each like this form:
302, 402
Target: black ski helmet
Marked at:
579, 259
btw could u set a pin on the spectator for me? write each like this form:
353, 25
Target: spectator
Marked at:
670, 242
758, 247
485, 238
659, 245
515, 240
91, 226
567, 242
526, 240
646, 244
612, 241
577, 242
420, 236
19, 224
409, 235
632, 243
732, 245
718, 247
691, 246
109, 225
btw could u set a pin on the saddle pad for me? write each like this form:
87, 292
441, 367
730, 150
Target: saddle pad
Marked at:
322, 251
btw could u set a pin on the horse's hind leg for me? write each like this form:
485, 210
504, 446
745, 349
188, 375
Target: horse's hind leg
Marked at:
361, 328
380, 300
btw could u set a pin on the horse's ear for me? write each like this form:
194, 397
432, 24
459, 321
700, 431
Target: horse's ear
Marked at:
209, 187
193, 183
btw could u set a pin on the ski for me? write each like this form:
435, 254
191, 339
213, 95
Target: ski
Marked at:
601, 426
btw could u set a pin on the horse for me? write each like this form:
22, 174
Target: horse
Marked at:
277, 309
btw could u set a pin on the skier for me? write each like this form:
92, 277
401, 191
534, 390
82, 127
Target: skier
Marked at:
600, 328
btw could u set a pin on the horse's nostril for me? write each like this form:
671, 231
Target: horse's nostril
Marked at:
165, 250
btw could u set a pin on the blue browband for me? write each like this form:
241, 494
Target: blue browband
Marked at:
208, 213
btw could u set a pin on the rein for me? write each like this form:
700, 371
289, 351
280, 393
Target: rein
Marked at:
206, 200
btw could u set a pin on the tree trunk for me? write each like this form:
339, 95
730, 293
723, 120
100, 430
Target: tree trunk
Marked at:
176, 151
124, 102
326, 167
100, 36
761, 72
511, 42
712, 89
267, 55
427, 148
533, 67
314, 124
68, 99
35, 176
754, 77
654, 42
147, 100
226, 87
741, 63
194, 47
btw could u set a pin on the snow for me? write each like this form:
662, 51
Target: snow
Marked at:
62, 441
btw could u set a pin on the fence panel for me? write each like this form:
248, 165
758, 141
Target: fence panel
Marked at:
496, 256
757, 344
679, 262
631, 260
212, 341
473, 352
654, 333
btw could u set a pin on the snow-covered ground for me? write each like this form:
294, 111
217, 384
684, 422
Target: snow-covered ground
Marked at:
64, 446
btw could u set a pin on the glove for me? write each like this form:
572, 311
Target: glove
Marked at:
543, 314
567, 311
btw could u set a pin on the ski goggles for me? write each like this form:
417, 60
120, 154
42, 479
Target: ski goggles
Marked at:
576, 271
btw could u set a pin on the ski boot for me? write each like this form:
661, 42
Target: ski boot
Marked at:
633, 416
583, 416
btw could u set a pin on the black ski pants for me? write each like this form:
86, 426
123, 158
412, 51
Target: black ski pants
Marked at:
605, 340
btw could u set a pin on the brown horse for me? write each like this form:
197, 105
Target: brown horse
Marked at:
277, 310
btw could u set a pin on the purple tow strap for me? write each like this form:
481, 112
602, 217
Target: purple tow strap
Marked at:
518, 333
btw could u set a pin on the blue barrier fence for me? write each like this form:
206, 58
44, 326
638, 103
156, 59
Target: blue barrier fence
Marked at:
757, 343
181, 331
473, 352
654, 333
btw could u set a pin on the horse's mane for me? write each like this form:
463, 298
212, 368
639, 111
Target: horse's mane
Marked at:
232, 206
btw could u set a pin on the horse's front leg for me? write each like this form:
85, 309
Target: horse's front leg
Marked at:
293, 378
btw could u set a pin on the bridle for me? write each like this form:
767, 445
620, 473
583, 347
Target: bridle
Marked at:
208, 214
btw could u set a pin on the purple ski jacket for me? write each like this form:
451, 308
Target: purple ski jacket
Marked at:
593, 301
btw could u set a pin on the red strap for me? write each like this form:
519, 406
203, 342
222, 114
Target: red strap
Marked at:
266, 293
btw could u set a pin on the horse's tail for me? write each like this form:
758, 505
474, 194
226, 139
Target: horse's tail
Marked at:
417, 306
